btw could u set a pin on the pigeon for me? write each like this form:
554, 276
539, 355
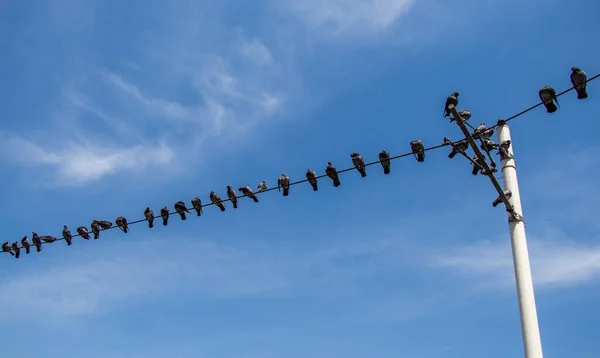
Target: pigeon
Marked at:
164, 214
181, 209
548, 97
311, 177
488, 145
478, 165
48, 239
452, 99
105, 224
26, 245
122, 224
359, 164
418, 150
459, 147
333, 174
248, 192
95, 229
83, 232
503, 150
149, 215
197, 205
262, 186
216, 199
6, 248
465, 114
232, 196
37, 242
284, 183
16, 249
483, 132
578, 79
498, 200
66, 234
384, 158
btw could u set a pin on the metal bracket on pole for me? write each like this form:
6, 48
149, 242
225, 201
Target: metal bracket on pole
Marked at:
488, 171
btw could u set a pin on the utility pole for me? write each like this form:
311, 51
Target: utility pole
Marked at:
530, 330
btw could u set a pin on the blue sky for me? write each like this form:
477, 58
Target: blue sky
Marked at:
112, 106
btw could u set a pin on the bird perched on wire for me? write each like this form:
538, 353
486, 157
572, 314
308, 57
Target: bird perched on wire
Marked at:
578, 79
37, 242
384, 159
418, 150
311, 177
16, 249
359, 164
105, 224
216, 199
459, 147
452, 99
6, 248
95, 229
122, 224
83, 232
149, 216
478, 165
164, 214
465, 114
66, 234
548, 97
232, 196
197, 205
262, 186
483, 132
332, 173
26, 245
48, 239
181, 209
488, 145
248, 192
284, 183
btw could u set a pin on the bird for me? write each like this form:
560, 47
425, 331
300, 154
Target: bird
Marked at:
262, 186
503, 150
232, 196
48, 239
418, 150
483, 132
95, 229
216, 199
452, 99
359, 164
197, 205
26, 245
459, 147
181, 209
311, 177
122, 223
164, 214
578, 79
488, 145
16, 249
37, 242
465, 114
83, 232
66, 234
6, 248
384, 159
284, 183
548, 97
333, 174
247, 191
105, 224
478, 164
149, 215
498, 200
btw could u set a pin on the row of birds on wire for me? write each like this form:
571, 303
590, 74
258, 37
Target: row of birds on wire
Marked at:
547, 95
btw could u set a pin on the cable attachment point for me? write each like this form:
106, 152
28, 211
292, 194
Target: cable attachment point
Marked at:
500, 198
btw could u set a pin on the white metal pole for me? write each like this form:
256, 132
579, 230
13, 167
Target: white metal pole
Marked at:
530, 330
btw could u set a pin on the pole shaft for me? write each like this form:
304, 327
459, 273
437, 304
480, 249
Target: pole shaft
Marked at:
532, 343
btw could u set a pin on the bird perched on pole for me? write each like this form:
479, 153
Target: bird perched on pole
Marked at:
181, 209
332, 173
216, 199
26, 245
478, 165
37, 241
16, 249
548, 97
418, 150
197, 205
482, 132
359, 164
232, 196
284, 183
149, 216
262, 186
452, 99
122, 224
459, 147
66, 234
465, 114
384, 159
83, 232
164, 214
248, 192
6, 248
578, 79
311, 177
503, 150
95, 229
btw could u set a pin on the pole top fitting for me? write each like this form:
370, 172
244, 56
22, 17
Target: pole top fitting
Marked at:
501, 122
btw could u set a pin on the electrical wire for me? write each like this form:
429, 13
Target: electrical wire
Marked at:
346, 169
